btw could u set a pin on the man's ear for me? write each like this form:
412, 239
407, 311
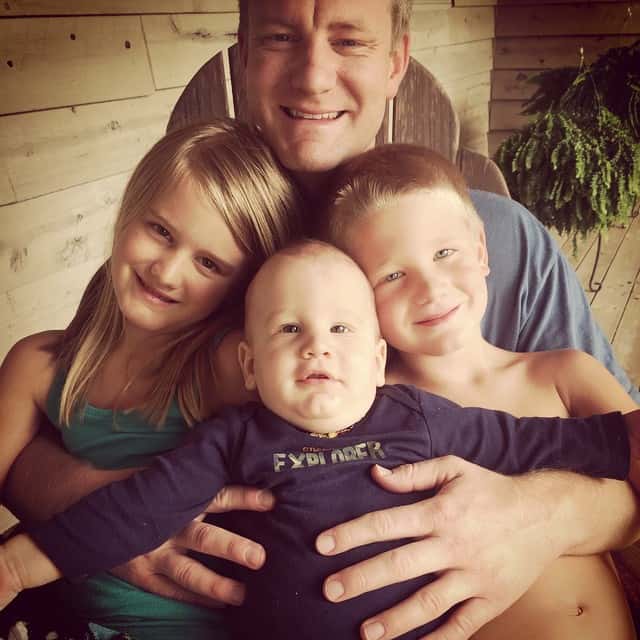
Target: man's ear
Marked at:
245, 357
399, 63
381, 361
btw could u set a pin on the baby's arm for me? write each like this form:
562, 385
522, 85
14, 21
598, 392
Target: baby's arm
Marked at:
134, 516
22, 566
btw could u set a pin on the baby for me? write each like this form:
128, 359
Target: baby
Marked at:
314, 353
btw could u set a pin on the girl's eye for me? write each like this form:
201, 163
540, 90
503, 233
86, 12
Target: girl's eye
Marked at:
340, 328
209, 264
396, 275
160, 230
290, 328
443, 253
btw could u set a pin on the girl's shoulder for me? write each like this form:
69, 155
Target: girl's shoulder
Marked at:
30, 365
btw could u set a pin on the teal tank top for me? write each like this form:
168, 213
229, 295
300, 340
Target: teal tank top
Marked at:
117, 440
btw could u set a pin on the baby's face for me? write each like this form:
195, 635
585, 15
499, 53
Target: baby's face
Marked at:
313, 348
426, 260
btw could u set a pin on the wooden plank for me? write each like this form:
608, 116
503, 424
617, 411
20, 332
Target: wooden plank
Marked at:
54, 232
495, 139
15, 8
47, 61
48, 303
586, 18
450, 63
576, 256
505, 114
7, 519
609, 303
431, 28
180, 44
7, 194
543, 53
50, 150
610, 246
626, 342
513, 84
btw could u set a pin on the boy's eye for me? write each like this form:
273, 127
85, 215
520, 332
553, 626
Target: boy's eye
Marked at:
290, 328
209, 264
340, 328
443, 253
160, 230
396, 275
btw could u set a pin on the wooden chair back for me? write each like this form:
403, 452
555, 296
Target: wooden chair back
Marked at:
421, 113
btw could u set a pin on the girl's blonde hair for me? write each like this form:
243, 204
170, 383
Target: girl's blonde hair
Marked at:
240, 178
373, 179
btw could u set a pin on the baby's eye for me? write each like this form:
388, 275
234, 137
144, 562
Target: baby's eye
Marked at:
290, 328
209, 264
443, 253
340, 328
396, 275
160, 230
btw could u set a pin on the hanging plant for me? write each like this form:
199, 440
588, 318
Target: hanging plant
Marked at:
576, 166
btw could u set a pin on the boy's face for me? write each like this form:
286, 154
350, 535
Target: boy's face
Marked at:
318, 74
313, 349
425, 256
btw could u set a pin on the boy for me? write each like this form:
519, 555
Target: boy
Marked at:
314, 353
404, 214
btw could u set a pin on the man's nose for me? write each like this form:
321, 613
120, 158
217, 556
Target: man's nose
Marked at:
315, 67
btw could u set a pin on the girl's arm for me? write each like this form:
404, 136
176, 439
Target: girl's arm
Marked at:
25, 377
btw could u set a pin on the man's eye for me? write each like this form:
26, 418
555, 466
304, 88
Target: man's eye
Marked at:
160, 230
443, 253
209, 264
396, 275
290, 328
277, 39
340, 328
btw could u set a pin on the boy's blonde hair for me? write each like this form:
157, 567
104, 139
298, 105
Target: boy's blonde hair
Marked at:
373, 179
400, 18
240, 178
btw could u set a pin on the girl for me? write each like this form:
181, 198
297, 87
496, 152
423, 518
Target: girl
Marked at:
405, 215
137, 365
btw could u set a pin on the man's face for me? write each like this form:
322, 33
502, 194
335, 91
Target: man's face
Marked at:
319, 73
313, 348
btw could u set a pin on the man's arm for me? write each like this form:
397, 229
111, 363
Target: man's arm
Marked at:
536, 302
487, 536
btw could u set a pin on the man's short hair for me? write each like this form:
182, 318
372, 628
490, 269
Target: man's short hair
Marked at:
400, 18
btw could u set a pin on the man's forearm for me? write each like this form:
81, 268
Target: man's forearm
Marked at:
45, 480
586, 515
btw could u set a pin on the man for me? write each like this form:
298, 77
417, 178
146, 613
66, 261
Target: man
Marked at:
318, 73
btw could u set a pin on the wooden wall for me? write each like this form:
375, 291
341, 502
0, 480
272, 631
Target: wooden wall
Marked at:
531, 36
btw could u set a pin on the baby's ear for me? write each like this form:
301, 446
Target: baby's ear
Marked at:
381, 361
245, 357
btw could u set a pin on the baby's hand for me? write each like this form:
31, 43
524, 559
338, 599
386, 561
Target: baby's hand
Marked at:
23, 565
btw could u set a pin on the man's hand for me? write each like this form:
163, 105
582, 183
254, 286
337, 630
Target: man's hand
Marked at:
169, 572
486, 535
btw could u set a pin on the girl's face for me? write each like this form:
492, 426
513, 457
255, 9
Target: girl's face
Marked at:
427, 262
175, 264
